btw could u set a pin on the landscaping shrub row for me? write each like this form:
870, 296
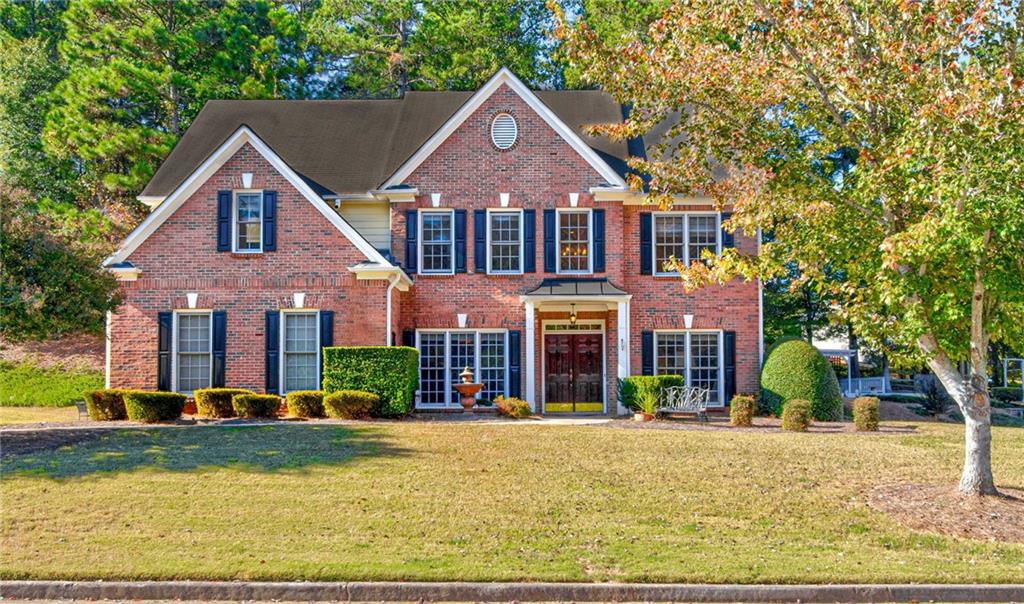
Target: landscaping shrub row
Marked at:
137, 405
637, 391
390, 372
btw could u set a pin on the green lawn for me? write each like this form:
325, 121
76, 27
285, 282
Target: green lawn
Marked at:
32, 415
436, 500
26, 385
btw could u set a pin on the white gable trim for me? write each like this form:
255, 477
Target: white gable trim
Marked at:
506, 77
208, 168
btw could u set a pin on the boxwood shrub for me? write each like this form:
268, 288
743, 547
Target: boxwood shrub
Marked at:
1006, 394
255, 405
305, 403
741, 410
350, 404
390, 372
796, 370
106, 405
216, 402
630, 387
153, 406
796, 415
865, 413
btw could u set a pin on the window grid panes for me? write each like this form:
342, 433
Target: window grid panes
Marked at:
492, 365
433, 383
703, 235
437, 242
506, 242
574, 242
672, 354
194, 349
443, 356
301, 342
669, 240
700, 369
462, 354
249, 222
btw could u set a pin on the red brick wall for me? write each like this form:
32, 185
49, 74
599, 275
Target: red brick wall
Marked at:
181, 256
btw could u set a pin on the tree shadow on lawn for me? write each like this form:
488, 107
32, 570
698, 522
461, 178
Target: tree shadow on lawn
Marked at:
186, 449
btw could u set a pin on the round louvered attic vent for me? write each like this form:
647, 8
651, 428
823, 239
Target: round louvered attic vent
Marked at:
504, 131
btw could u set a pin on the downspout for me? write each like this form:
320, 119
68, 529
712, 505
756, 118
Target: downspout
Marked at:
387, 294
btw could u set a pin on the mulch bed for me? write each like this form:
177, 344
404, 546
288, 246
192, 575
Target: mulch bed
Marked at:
943, 510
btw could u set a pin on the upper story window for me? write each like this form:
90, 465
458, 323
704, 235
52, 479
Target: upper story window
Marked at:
248, 222
684, 237
574, 241
504, 131
193, 351
505, 242
437, 243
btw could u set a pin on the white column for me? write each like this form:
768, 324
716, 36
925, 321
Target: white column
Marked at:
623, 343
530, 359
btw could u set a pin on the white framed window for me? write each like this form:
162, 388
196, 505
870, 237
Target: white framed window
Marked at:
300, 345
684, 236
437, 242
247, 222
504, 242
445, 353
695, 355
192, 366
575, 242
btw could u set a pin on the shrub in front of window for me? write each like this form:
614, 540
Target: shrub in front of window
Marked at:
305, 403
794, 369
255, 405
513, 407
1007, 394
796, 415
390, 372
153, 406
216, 402
865, 413
106, 405
630, 387
350, 404
741, 410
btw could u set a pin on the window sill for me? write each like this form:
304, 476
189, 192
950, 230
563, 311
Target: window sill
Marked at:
246, 254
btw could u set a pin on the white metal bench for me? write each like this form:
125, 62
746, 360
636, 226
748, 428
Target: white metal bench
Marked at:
685, 399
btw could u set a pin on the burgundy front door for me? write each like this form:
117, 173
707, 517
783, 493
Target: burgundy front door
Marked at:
572, 376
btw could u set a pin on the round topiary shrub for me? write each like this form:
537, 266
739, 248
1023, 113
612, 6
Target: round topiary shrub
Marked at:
796, 370
741, 410
796, 415
256, 405
106, 405
153, 406
865, 413
216, 402
305, 403
350, 404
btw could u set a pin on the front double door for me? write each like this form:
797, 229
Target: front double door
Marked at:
573, 373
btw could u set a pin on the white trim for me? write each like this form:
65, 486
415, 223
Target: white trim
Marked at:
558, 240
448, 361
213, 163
622, 325
282, 337
655, 269
531, 357
174, 346
522, 235
507, 78
372, 272
107, 330
125, 274
686, 378
420, 240
604, 357
151, 201
234, 220
406, 195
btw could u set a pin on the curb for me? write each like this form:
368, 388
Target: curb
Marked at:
525, 592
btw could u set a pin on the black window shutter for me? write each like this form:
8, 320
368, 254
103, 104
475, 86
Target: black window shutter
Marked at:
326, 337
220, 339
728, 239
646, 247
647, 352
273, 345
269, 221
480, 241
460, 241
550, 250
729, 356
411, 222
165, 323
514, 364
598, 241
529, 241
409, 338
223, 221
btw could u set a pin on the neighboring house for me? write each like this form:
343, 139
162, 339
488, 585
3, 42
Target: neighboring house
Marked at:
485, 229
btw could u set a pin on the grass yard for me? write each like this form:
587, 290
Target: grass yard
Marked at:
437, 500
27, 385
32, 415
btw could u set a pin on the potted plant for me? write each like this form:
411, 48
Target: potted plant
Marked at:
647, 403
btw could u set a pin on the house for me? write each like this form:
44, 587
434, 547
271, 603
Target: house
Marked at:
486, 229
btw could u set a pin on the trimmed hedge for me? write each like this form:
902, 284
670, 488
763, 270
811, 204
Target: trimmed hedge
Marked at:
1007, 394
153, 406
865, 413
106, 405
305, 403
217, 402
390, 372
741, 410
513, 407
350, 404
796, 370
631, 387
255, 405
796, 415
24, 384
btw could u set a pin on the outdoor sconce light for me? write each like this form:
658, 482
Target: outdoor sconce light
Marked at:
572, 314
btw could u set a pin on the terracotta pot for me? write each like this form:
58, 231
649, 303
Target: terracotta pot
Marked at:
643, 417
190, 407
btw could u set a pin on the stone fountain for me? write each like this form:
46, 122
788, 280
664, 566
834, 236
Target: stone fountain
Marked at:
468, 390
